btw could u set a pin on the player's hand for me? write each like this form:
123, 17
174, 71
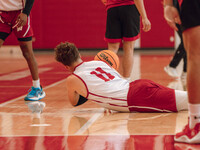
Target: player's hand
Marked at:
172, 17
146, 24
21, 20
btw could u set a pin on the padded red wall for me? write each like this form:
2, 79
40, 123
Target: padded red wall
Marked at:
83, 22
160, 33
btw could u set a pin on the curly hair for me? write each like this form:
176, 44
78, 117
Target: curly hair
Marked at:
66, 53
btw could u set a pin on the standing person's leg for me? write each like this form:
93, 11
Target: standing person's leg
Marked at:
123, 22
36, 92
128, 50
191, 40
128, 59
113, 34
24, 35
190, 14
130, 18
171, 68
191, 134
27, 51
179, 54
113, 47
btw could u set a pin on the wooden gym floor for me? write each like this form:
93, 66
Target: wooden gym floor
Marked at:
87, 127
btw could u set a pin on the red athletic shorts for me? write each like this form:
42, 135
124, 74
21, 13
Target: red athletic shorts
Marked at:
8, 24
148, 96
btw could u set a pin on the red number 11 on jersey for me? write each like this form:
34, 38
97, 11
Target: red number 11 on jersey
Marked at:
99, 73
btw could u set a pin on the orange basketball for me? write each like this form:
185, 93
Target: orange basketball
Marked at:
108, 57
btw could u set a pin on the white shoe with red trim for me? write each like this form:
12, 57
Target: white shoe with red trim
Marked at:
188, 135
171, 71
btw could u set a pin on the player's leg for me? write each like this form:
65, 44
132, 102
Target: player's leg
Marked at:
128, 59
27, 51
36, 92
179, 54
24, 35
113, 30
130, 30
148, 96
190, 13
114, 46
191, 133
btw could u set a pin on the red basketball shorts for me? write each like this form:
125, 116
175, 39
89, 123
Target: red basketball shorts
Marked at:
8, 24
148, 96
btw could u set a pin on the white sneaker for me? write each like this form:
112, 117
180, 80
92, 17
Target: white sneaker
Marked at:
171, 71
191, 136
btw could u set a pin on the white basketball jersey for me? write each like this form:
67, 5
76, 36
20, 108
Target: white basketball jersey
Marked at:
11, 5
104, 85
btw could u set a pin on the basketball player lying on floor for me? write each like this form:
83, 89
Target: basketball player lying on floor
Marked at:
100, 83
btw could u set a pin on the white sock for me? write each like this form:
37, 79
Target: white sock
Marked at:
194, 114
36, 83
181, 100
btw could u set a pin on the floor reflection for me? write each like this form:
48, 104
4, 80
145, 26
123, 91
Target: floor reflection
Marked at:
98, 142
183, 146
35, 107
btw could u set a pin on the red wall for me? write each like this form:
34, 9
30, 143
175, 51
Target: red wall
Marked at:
160, 33
83, 22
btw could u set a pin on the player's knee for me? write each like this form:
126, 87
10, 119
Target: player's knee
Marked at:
26, 53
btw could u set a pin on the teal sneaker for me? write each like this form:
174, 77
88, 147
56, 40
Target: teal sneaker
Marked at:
35, 94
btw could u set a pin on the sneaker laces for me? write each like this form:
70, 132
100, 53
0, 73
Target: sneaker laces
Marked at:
33, 91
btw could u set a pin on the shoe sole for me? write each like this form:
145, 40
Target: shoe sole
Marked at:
185, 139
35, 99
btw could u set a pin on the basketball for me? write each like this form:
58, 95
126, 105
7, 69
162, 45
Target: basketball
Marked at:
108, 57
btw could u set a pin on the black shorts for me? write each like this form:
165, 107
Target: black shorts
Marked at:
123, 22
190, 13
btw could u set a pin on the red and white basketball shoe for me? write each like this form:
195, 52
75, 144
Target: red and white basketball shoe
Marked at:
188, 135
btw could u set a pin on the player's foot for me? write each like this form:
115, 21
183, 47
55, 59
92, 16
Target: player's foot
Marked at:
191, 136
171, 71
35, 94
